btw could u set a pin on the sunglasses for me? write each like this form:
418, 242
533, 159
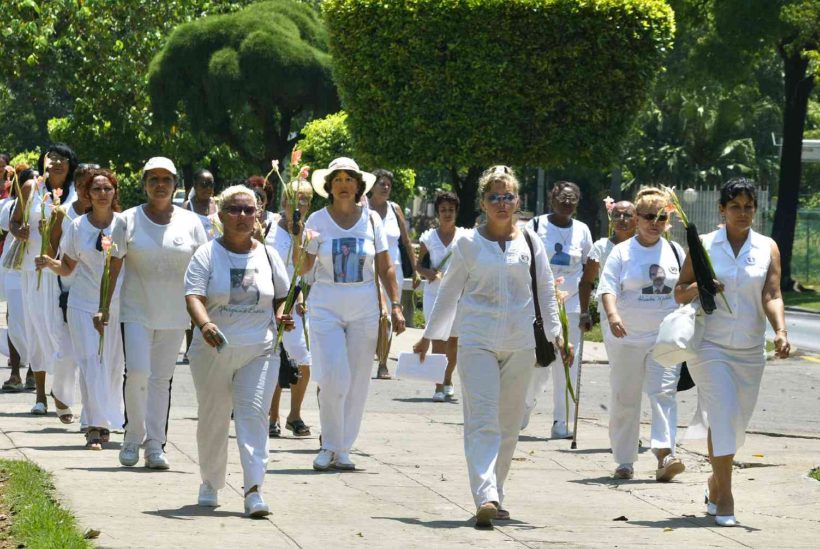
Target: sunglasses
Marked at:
571, 198
240, 210
507, 198
659, 217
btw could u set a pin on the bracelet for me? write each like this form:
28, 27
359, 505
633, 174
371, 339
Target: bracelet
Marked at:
784, 330
396, 304
204, 324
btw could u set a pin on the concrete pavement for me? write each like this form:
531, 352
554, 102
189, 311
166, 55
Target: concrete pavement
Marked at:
411, 488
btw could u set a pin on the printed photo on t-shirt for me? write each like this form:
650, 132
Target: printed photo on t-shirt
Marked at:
657, 276
244, 291
560, 257
348, 260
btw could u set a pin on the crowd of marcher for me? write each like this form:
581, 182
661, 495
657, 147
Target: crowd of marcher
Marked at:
106, 300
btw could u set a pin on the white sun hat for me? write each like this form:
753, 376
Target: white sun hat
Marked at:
318, 177
159, 162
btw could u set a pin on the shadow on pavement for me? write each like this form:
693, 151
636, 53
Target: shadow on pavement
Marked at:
425, 399
448, 524
187, 512
135, 469
683, 522
310, 451
586, 451
608, 480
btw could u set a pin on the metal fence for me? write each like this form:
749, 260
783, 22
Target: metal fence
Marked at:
806, 250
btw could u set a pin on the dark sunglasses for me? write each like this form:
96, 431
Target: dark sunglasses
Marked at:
495, 198
571, 198
240, 210
659, 217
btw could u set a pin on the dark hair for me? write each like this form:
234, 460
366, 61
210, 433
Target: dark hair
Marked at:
329, 180
561, 185
737, 186
261, 196
84, 169
4, 156
200, 172
63, 150
109, 175
446, 196
381, 172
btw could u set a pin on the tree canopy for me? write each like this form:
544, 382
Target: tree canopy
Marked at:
468, 83
244, 79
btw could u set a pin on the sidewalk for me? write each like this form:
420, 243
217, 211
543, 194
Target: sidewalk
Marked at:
411, 488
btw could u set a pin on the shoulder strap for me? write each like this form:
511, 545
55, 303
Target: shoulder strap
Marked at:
675, 251
535, 222
533, 277
375, 269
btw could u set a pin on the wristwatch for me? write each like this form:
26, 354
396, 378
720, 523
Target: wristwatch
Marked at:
397, 305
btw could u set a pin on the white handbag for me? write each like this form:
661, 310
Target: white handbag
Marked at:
679, 336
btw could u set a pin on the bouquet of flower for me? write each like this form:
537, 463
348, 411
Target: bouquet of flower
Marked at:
609, 204
561, 297
17, 251
701, 262
290, 301
46, 227
108, 248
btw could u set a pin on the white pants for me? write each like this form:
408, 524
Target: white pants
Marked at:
343, 333
241, 379
150, 359
294, 342
493, 386
100, 378
17, 323
559, 378
632, 369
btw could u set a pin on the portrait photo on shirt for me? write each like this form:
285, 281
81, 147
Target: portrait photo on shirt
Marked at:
244, 291
560, 257
657, 276
348, 260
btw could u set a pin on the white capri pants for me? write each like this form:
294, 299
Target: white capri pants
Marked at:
150, 360
16, 317
100, 378
493, 386
344, 325
632, 369
242, 379
294, 342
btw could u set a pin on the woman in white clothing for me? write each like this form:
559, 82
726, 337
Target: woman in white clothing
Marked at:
160, 240
395, 229
349, 251
489, 282
567, 242
636, 293
49, 346
84, 247
730, 363
235, 289
281, 237
437, 244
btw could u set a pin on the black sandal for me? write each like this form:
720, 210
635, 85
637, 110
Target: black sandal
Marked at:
298, 428
93, 440
274, 429
105, 435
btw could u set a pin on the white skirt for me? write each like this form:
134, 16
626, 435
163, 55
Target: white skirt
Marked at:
728, 382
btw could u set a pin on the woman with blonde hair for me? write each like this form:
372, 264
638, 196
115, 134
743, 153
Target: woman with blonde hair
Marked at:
636, 293
489, 283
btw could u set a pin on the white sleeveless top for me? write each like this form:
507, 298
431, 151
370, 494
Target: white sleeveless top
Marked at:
34, 240
744, 277
393, 232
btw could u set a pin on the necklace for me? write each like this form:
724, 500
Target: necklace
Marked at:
563, 236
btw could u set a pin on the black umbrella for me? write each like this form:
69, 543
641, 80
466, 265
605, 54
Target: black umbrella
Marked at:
702, 266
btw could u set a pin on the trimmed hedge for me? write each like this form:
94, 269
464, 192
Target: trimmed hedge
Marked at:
458, 83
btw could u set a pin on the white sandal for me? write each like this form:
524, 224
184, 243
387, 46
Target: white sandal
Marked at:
39, 409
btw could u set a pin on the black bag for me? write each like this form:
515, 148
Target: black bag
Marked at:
288, 369
406, 265
544, 348
63, 300
424, 262
685, 381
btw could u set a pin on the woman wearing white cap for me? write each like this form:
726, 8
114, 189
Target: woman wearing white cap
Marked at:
489, 283
160, 240
349, 250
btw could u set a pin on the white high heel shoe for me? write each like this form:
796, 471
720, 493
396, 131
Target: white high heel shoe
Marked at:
725, 520
711, 508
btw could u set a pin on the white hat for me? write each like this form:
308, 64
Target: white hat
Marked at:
159, 162
342, 163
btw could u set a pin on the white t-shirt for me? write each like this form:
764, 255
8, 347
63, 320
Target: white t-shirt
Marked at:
392, 231
345, 256
70, 215
600, 252
79, 242
240, 289
567, 249
157, 257
642, 279
280, 240
438, 251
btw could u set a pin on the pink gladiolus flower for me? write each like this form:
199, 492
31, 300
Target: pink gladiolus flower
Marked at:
670, 208
106, 242
274, 164
562, 296
295, 157
310, 234
303, 173
57, 194
559, 280
609, 203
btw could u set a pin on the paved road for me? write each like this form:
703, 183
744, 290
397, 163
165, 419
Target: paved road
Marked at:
804, 330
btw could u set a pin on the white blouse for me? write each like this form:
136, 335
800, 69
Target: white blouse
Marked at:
743, 277
492, 290
437, 251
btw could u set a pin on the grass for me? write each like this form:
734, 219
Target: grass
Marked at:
815, 473
594, 334
805, 300
37, 520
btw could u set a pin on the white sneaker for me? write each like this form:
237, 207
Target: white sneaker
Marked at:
438, 396
323, 460
129, 453
255, 506
560, 430
155, 459
208, 496
342, 462
39, 409
449, 391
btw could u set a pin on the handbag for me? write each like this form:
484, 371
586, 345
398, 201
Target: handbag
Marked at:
680, 334
383, 342
288, 369
406, 265
544, 348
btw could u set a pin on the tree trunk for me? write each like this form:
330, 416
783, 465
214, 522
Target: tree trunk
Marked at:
466, 187
798, 87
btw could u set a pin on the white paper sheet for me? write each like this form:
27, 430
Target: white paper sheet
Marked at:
432, 369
